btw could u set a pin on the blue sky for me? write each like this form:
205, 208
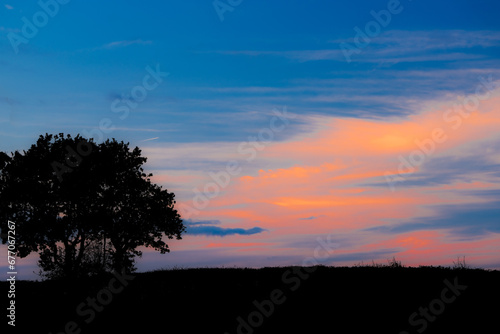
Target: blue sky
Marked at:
226, 76
72, 70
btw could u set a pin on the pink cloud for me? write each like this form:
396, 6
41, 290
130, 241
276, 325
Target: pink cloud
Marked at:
334, 180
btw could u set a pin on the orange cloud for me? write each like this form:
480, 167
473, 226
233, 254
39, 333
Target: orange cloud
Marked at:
334, 185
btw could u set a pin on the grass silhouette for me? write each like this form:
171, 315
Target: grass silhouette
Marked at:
358, 299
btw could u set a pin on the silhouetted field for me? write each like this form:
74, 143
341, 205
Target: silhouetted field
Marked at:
268, 300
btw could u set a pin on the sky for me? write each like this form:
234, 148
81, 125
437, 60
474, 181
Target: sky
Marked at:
291, 132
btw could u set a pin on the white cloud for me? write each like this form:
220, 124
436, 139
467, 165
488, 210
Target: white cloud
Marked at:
300, 55
438, 39
119, 44
396, 46
149, 139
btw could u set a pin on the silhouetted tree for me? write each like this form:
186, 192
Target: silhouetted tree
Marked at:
85, 208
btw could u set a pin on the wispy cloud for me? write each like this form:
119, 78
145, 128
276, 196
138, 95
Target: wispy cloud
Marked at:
308, 218
408, 41
206, 227
222, 232
150, 139
190, 222
9, 7
124, 43
134, 129
396, 46
465, 221
299, 55
392, 55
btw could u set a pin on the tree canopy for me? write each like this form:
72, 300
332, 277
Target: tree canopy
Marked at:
85, 208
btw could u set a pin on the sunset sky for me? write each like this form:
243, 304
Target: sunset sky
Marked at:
371, 127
